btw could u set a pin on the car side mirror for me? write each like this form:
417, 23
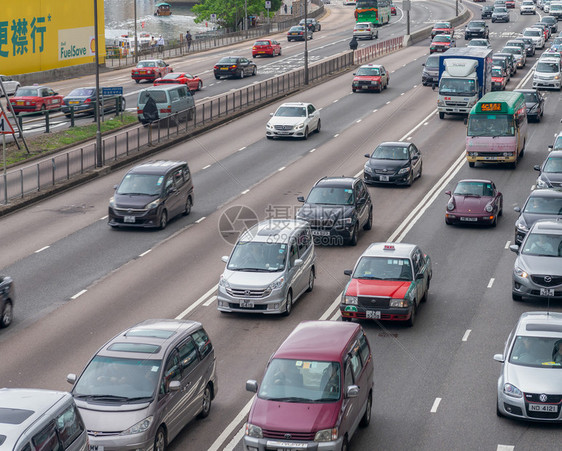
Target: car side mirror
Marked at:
115, 186
419, 276
367, 155
347, 272
514, 248
252, 386
224, 258
550, 148
433, 86
300, 198
354, 73
465, 121
499, 358
517, 209
537, 167
174, 386
352, 391
71, 378
271, 114
448, 192
298, 262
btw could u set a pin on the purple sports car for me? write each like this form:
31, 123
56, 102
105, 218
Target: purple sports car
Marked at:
474, 202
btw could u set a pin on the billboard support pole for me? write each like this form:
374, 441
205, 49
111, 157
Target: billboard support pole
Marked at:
98, 125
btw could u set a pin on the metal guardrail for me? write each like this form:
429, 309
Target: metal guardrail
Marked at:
49, 172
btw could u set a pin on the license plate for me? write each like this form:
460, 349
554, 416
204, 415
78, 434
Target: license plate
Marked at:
543, 408
294, 34
143, 72
246, 304
547, 291
384, 178
469, 219
129, 219
492, 158
224, 68
74, 102
96, 448
321, 232
282, 133
285, 446
20, 102
373, 314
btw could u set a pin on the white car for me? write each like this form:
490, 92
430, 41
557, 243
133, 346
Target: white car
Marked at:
9, 85
528, 7
293, 120
365, 30
537, 35
479, 42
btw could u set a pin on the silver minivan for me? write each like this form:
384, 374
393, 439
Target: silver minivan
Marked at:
270, 267
145, 384
160, 102
33, 419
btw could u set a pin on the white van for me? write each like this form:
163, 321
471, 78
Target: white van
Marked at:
33, 419
159, 102
547, 73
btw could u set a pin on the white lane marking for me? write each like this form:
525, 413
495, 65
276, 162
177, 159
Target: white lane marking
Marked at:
312, 150
336, 135
210, 301
466, 334
532, 187
145, 252
426, 123
77, 295
388, 102
491, 282
335, 100
241, 148
197, 302
505, 448
409, 138
200, 220
246, 191
507, 244
281, 169
402, 93
42, 249
236, 439
374, 111
205, 167
233, 424
358, 120
435, 405
332, 307
105, 217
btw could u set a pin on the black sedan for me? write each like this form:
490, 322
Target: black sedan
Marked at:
234, 66
299, 33
550, 171
534, 102
398, 163
541, 204
82, 101
7, 298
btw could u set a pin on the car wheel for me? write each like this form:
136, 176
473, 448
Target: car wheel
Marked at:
199, 86
471, 164
345, 444
137, 81
495, 221
269, 137
346, 319
448, 222
188, 205
420, 172
160, 440
207, 399
516, 297
318, 127
305, 133
310, 281
7, 315
410, 322
354, 235
498, 412
217, 77
366, 418
255, 71
410, 179
163, 220
288, 304
353, 90
369, 224
441, 115
241, 75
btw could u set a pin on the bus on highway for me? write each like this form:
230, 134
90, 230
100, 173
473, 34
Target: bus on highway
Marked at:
497, 129
375, 11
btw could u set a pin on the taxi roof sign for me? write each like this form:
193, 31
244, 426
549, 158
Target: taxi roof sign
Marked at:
389, 247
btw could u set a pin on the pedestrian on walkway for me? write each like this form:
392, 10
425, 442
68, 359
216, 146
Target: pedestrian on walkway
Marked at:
285, 8
188, 39
160, 43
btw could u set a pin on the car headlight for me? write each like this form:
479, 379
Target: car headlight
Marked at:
398, 303
404, 170
326, 435
253, 431
520, 272
541, 183
277, 283
299, 126
344, 221
512, 390
140, 427
489, 208
368, 168
521, 227
269, 126
374, 82
112, 202
223, 282
450, 206
350, 300
440, 102
557, 77
153, 204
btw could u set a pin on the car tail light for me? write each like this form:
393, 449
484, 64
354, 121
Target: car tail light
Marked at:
166, 110
139, 111
87, 100
216, 67
234, 66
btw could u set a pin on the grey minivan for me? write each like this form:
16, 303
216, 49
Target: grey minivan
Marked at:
270, 267
33, 419
144, 385
160, 102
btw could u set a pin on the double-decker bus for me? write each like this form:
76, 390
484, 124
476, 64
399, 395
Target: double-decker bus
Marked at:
497, 129
375, 11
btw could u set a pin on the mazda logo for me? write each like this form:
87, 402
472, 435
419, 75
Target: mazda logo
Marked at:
543, 397
547, 279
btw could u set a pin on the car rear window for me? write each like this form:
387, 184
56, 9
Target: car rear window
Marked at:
157, 96
262, 43
27, 93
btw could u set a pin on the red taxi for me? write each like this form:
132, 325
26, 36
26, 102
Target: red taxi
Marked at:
193, 82
442, 28
510, 3
388, 283
392, 10
265, 47
370, 77
499, 78
150, 70
442, 43
29, 99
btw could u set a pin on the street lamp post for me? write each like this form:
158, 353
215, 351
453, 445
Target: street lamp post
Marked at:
305, 42
98, 125
136, 57
246, 17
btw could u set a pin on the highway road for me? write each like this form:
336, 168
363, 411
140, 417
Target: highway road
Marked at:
79, 282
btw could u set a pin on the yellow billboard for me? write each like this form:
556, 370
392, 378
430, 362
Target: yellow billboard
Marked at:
39, 35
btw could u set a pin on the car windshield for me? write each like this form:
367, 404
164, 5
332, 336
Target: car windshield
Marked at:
157, 96
258, 256
543, 245
146, 64
442, 25
119, 379
499, 9
362, 25
228, 60
172, 76
497, 72
537, 352
26, 92
530, 97
549, 68
442, 38
373, 71
82, 92
390, 153
141, 185
553, 165
476, 189
291, 111
490, 125
301, 381
297, 28
432, 63
544, 205
512, 50
476, 24
330, 195
557, 41
383, 268
557, 143
536, 33
458, 86
478, 43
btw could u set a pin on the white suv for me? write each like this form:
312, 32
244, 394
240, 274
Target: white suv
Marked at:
365, 30
293, 120
537, 35
528, 7
547, 73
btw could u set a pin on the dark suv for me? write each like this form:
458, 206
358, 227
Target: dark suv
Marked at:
487, 12
7, 297
313, 24
151, 194
476, 29
336, 208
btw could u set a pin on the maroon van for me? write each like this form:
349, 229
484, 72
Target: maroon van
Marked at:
317, 389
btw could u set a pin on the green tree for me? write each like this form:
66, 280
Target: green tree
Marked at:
230, 13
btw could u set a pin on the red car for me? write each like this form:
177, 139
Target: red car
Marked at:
510, 3
29, 99
370, 77
499, 78
474, 202
193, 82
265, 47
150, 70
442, 28
442, 43
392, 10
